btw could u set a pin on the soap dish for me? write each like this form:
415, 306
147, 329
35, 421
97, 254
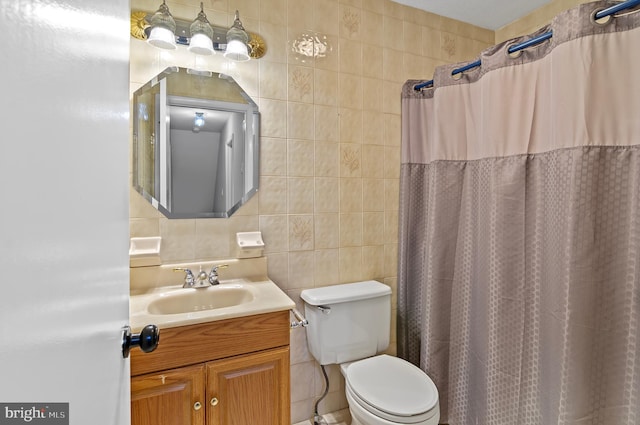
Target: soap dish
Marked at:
144, 252
249, 244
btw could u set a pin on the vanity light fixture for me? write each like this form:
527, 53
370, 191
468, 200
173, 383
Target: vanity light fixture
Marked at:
237, 39
201, 42
163, 28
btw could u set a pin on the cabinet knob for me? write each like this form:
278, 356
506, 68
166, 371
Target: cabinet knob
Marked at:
214, 401
197, 405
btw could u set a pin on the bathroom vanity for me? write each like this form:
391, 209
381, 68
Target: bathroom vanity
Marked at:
223, 355
233, 371
219, 364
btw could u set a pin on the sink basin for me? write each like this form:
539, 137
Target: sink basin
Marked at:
193, 300
157, 297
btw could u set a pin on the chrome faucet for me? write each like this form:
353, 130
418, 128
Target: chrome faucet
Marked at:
202, 280
189, 279
213, 274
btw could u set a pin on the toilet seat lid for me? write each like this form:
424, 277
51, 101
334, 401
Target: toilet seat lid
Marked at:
392, 385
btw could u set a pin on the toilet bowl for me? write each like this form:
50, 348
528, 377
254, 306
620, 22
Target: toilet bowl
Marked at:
385, 390
349, 325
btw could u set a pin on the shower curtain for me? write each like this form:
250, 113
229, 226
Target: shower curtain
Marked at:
519, 251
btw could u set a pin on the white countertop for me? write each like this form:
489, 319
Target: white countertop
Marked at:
266, 298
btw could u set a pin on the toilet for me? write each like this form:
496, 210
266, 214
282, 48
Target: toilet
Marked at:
349, 325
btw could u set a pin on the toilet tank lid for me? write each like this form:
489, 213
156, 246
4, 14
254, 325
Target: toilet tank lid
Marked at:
345, 292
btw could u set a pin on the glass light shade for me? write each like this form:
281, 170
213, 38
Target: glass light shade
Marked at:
237, 39
163, 28
200, 44
237, 51
162, 37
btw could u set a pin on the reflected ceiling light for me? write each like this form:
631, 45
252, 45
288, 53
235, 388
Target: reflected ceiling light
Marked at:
201, 42
237, 39
163, 28
198, 121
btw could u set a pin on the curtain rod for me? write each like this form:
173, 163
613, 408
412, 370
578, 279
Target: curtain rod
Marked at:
537, 40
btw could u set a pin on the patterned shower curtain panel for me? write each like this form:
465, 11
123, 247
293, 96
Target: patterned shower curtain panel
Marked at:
519, 255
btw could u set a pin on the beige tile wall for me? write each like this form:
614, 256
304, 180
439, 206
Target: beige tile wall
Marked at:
330, 154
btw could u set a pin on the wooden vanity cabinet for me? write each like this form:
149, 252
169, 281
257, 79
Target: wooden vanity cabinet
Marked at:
169, 397
249, 389
230, 372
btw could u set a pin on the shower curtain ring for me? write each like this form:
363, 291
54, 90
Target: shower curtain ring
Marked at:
601, 21
513, 55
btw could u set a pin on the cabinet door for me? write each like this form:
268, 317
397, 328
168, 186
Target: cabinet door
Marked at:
250, 389
173, 397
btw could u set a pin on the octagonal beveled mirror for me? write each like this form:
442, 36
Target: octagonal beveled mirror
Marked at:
195, 144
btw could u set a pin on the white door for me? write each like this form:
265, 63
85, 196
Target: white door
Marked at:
64, 207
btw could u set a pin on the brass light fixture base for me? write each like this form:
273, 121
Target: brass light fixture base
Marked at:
257, 46
138, 24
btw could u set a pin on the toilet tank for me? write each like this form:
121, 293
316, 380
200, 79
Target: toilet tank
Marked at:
347, 322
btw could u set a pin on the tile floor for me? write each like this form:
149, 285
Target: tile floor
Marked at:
341, 417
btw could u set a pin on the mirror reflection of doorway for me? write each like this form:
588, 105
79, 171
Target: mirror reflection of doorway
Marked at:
195, 144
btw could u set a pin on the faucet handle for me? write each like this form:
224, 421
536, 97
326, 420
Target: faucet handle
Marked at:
213, 274
188, 278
